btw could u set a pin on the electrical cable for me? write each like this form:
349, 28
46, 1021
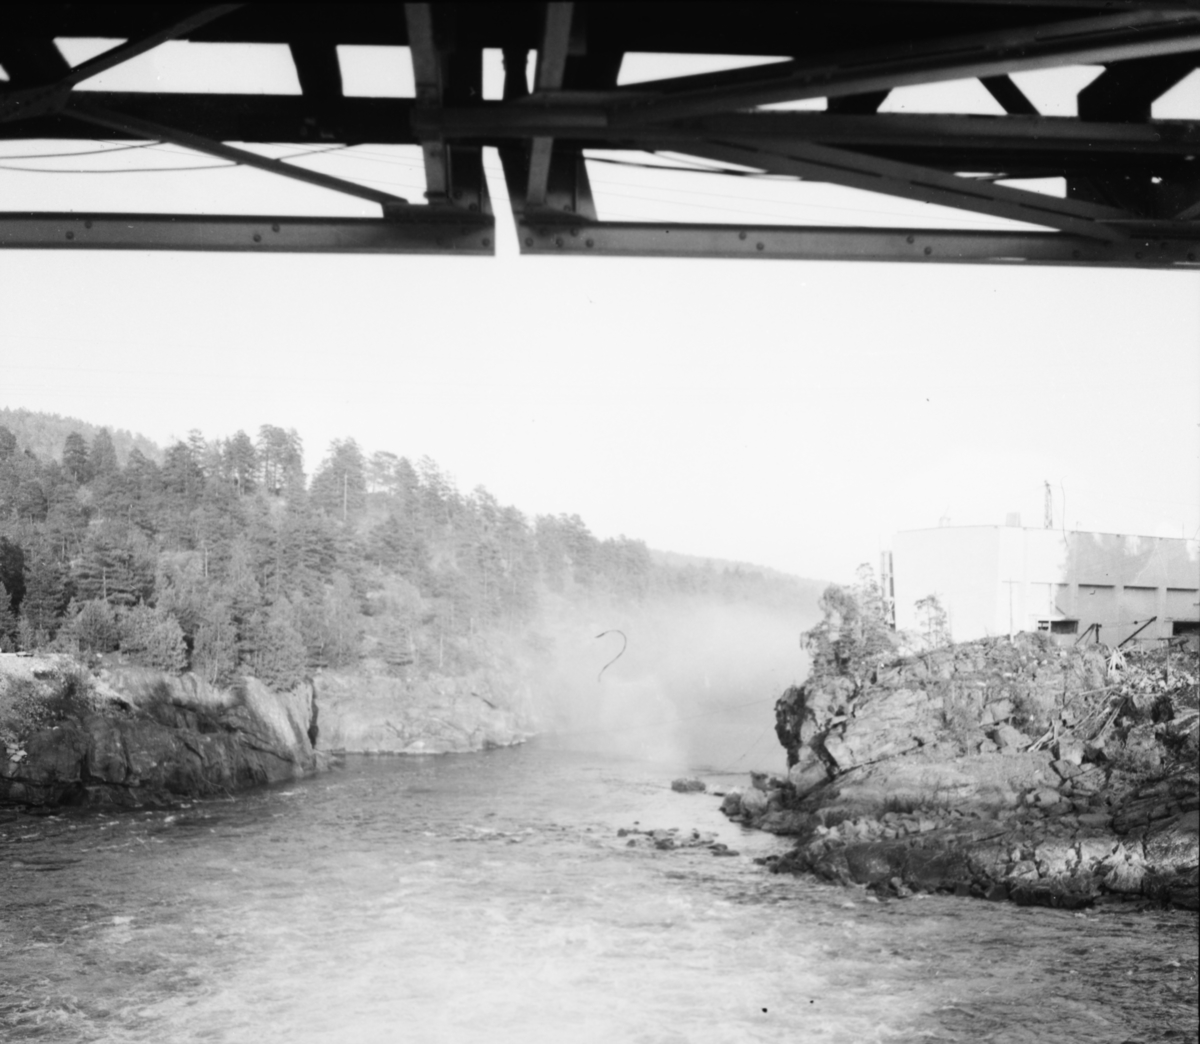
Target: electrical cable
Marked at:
777, 178
698, 169
416, 164
81, 152
157, 146
125, 170
732, 764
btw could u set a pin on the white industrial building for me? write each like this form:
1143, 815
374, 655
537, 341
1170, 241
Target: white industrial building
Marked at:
994, 580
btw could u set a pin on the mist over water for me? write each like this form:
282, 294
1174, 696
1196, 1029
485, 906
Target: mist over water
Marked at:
693, 689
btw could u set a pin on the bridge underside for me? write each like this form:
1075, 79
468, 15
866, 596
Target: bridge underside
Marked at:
1132, 182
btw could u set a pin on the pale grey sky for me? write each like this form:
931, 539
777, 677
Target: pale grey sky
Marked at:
789, 413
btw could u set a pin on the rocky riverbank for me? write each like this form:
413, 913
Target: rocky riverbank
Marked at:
128, 737
383, 714
1004, 769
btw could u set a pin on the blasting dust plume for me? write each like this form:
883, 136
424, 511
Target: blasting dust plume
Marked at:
624, 646
693, 685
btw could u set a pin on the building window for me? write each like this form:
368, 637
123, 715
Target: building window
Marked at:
1059, 626
1185, 627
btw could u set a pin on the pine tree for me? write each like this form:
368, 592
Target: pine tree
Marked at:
182, 476
240, 593
94, 626
341, 624
116, 567
22, 495
853, 636
12, 572
141, 486
153, 638
280, 660
281, 458
240, 461
395, 545
8, 621
933, 620
75, 459
181, 589
45, 598
102, 458
214, 652
339, 488
381, 473
551, 551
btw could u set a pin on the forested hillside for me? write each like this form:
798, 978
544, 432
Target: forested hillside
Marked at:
225, 559
45, 434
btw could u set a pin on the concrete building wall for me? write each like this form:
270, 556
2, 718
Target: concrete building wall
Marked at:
1001, 579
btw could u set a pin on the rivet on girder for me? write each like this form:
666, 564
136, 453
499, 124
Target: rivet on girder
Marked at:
575, 232
558, 241
529, 241
257, 237
759, 246
87, 224
928, 251
486, 242
70, 235
275, 227
741, 235
1138, 254
590, 243
912, 239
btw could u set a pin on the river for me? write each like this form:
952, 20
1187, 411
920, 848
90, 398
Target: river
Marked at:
490, 898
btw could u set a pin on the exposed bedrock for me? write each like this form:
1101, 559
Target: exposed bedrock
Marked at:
1002, 769
379, 714
141, 737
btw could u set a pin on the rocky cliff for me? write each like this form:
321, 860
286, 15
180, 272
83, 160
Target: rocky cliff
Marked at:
131, 737
377, 714
1000, 768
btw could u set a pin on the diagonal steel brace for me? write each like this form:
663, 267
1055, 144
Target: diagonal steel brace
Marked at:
80, 109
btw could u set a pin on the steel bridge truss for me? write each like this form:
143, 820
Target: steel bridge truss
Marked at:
1133, 182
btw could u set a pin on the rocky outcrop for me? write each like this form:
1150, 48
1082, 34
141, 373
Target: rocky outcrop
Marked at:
382, 714
138, 737
1001, 769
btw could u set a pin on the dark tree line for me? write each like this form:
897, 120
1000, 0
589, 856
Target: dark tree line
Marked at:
225, 559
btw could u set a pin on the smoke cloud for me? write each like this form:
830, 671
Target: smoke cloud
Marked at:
694, 689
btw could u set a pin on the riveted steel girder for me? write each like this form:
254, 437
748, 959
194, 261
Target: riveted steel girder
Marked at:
1132, 187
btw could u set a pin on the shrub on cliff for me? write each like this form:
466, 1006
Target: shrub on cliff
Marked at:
279, 662
93, 626
153, 638
854, 636
30, 707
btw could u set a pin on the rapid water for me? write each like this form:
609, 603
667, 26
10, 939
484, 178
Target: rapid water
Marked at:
489, 898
